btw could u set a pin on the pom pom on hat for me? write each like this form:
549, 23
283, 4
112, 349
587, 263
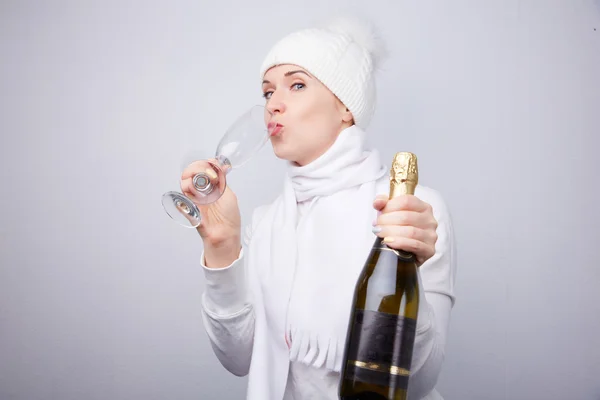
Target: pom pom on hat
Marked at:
363, 33
343, 54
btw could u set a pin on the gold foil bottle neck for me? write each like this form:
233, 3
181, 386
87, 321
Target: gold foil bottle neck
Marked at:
404, 174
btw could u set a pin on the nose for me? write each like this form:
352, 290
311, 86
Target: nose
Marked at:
275, 105
268, 114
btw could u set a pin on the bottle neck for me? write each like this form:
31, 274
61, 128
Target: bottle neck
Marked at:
403, 255
401, 189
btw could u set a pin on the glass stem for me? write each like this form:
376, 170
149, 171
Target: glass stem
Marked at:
224, 164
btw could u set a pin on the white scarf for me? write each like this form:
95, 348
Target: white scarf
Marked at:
318, 262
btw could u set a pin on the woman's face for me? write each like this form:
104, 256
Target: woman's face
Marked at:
304, 117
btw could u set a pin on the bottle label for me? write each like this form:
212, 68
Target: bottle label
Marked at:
380, 349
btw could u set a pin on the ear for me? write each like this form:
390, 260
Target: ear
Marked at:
347, 116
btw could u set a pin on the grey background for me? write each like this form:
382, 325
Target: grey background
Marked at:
99, 102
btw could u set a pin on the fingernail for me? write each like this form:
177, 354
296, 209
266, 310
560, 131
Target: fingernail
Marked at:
376, 229
388, 239
211, 173
374, 222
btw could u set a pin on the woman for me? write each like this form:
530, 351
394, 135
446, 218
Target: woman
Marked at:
277, 300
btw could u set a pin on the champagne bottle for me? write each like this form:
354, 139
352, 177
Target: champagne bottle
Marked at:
383, 321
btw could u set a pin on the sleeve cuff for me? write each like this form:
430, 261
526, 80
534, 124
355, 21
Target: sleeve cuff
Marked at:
225, 287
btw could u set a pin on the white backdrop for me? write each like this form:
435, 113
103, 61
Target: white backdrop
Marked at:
100, 291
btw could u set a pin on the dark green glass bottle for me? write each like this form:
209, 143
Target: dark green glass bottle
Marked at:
383, 321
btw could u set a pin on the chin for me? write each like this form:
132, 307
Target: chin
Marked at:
282, 153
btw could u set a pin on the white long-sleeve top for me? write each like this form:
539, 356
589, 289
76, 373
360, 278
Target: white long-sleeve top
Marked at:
231, 320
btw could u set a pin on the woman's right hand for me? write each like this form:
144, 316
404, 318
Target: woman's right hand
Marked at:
220, 225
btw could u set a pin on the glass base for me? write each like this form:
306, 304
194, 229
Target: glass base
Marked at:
181, 209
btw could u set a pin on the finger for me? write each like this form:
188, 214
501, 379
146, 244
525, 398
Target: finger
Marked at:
380, 202
409, 232
187, 181
197, 167
402, 218
209, 171
212, 175
422, 250
193, 169
412, 218
187, 188
406, 202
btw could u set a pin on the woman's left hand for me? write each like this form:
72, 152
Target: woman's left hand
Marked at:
406, 223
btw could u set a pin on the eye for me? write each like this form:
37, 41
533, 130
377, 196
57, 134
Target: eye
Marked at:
267, 95
298, 86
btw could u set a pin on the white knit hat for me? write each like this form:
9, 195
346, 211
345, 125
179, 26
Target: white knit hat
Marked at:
343, 55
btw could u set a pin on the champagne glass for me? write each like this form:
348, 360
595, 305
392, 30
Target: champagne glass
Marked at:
203, 181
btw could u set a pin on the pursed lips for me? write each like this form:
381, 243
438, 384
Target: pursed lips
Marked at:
274, 128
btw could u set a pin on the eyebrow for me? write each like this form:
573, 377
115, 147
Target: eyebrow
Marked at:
297, 71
